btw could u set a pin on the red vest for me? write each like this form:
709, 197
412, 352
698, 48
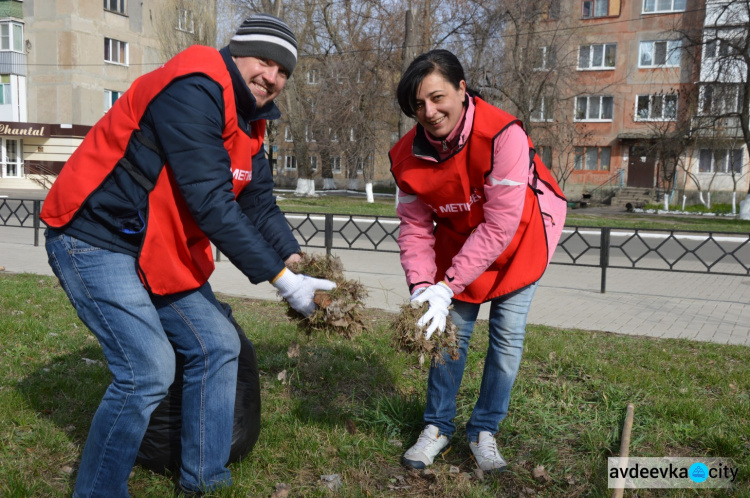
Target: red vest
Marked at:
175, 255
454, 189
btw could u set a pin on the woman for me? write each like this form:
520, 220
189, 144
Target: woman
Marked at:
468, 169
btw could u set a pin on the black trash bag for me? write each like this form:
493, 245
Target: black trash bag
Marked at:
160, 448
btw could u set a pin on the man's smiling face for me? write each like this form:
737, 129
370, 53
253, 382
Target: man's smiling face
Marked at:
264, 77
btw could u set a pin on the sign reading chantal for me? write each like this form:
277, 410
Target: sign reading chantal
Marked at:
29, 131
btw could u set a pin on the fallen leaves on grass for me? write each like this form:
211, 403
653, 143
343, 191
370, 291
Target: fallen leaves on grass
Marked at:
282, 490
409, 338
540, 474
339, 310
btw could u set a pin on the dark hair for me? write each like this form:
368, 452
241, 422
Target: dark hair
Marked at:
439, 60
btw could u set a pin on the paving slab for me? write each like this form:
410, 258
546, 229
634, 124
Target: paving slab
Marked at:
704, 307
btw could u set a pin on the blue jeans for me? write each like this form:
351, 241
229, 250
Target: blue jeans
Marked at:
507, 330
139, 334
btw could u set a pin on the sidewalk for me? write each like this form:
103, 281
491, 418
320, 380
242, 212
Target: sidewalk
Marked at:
702, 307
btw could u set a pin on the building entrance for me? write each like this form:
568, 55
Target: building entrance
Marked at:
641, 167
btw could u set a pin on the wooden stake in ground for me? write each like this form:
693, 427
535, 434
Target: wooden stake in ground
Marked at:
624, 450
339, 310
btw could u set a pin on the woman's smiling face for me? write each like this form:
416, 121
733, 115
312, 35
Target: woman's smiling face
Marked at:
439, 104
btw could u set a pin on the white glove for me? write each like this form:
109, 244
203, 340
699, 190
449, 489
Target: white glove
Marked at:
299, 290
417, 292
439, 296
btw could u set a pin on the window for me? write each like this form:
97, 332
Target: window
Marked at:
545, 153
360, 164
309, 134
110, 96
115, 6
336, 164
543, 111
592, 158
12, 160
11, 37
544, 58
352, 135
115, 51
661, 53
594, 108
5, 96
656, 107
718, 47
601, 56
185, 21
553, 12
290, 163
718, 99
312, 77
720, 161
314, 163
288, 134
653, 6
595, 8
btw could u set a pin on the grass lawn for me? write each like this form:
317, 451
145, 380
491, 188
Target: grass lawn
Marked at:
384, 206
351, 407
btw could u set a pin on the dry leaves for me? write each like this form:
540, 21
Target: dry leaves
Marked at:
339, 310
409, 338
282, 490
540, 474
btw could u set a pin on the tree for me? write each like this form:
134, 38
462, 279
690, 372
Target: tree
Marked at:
337, 105
670, 140
562, 138
724, 47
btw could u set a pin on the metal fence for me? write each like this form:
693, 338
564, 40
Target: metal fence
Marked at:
719, 253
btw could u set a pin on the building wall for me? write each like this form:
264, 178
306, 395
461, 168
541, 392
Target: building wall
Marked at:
625, 82
67, 71
62, 76
628, 80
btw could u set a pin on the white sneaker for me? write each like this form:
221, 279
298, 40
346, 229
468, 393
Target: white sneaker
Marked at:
485, 453
429, 445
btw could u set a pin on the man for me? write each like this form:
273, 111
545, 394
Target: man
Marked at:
175, 165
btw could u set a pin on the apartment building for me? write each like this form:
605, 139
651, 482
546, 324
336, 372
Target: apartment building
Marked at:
719, 159
648, 97
62, 66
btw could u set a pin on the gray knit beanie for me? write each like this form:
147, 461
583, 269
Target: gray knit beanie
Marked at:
266, 36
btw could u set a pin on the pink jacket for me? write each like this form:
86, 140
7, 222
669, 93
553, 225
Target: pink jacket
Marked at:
504, 192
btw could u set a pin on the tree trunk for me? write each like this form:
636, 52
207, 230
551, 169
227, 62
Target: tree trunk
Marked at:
666, 201
409, 52
368, 190
745, 208
326, 170
305, 186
